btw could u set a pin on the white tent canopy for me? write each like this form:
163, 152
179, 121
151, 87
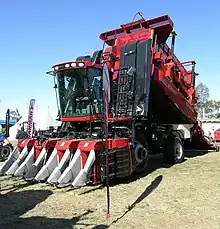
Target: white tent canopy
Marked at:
42, 119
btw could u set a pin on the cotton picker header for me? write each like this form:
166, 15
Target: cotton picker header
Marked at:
151, 110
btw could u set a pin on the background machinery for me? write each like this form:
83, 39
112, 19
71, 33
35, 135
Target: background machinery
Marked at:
151, 109
6, 147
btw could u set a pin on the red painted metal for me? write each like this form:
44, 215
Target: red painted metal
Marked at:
48, 144
84, 156
217, 135
81, 118
37, 149
27, 142
168, 72
93, 117
64, 144
163, 25
122, 40
86, 146
180, 102
183, 78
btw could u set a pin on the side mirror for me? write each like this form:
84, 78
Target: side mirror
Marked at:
51, 73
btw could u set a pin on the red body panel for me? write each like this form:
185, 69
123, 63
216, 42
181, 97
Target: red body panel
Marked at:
217, 135
38, 149
170, 91
86, 146
48, 144
93, 117
168, 72
155, 23
27, 142
63, 145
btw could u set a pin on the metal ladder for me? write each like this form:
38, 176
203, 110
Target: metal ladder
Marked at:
125, 94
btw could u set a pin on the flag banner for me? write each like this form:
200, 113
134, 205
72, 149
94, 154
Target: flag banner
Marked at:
30, 118
106, 87
7, 123
106, 96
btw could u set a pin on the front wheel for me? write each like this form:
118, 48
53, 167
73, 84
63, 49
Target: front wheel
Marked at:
173, 150
141, 153
5, 152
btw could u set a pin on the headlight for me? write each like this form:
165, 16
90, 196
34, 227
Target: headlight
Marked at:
56, 68
67, 65
81, 64
73, 64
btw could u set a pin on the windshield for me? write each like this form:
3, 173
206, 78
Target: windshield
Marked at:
79, 92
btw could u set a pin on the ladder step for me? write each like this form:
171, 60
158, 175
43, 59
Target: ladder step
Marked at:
124, 93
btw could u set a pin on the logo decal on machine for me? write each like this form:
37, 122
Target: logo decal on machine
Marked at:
63, 143
86, 144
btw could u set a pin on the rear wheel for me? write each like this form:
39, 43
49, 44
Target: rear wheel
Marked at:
173, 150
5, 152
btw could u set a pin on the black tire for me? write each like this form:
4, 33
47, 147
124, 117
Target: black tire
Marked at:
141, 167
5, 151
173, 150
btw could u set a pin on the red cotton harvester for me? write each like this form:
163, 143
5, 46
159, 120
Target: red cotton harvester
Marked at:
148, 107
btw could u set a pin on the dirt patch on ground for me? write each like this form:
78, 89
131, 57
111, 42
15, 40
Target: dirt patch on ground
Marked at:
184, 196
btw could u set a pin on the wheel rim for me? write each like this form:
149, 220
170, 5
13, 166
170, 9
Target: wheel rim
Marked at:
141, 157
179, 150
140, 152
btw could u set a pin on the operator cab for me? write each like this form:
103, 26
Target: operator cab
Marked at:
79, 87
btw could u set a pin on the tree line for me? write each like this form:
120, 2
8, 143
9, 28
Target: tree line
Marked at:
205, 107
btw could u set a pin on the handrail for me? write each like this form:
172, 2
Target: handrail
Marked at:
167, 51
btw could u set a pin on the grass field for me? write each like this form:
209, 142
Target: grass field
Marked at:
184, 196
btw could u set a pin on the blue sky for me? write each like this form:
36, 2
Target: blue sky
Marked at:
37, 34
